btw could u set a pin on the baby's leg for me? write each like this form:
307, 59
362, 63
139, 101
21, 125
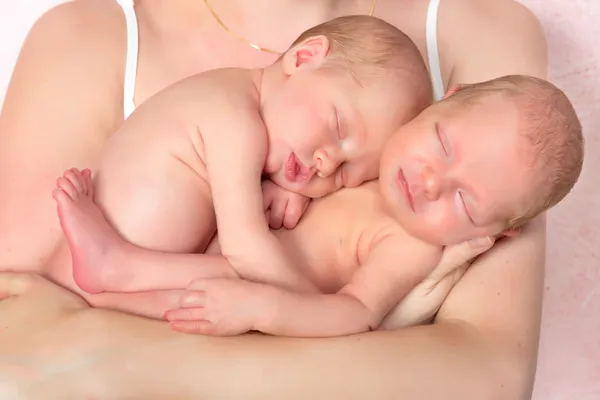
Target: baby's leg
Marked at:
96, 247
151, 188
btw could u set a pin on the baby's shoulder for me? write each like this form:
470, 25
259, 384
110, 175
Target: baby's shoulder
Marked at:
232, 82
228, 95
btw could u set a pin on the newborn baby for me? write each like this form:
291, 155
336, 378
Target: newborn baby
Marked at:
481, 162
191, 159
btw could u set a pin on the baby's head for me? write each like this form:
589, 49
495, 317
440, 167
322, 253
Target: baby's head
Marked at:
483, 161
334, 98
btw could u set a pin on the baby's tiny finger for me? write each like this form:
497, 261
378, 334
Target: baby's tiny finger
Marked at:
67, 186
196, 327
74, 175
185, 314
89, 183
277, 215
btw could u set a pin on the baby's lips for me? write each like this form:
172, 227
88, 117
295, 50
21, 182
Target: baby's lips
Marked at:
305, 172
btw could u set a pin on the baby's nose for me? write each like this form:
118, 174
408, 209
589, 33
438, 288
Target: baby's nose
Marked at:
327, 162
432, 184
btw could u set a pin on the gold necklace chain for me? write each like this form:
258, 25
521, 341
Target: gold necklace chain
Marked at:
253, 45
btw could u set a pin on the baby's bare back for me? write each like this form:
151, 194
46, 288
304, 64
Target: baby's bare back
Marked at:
152, 182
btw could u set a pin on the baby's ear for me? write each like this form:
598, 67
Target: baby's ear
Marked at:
311, 53
452, 90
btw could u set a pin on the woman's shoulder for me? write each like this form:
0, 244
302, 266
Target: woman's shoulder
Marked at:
75, 46
83, 27
481, 40
85, 16
488, 18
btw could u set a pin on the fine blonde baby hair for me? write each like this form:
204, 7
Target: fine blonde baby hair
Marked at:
553, 133
371, 50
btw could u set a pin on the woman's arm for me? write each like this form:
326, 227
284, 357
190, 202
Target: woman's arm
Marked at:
484, 341
483, 345
487, 39
58, 110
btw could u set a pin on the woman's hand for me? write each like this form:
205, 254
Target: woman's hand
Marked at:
423, 302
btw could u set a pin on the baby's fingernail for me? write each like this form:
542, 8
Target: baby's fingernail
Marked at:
481, 242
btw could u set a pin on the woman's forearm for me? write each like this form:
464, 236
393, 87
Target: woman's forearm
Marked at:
446, 360
439, 361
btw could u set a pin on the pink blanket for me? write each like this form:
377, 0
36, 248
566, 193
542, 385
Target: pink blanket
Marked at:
569, 359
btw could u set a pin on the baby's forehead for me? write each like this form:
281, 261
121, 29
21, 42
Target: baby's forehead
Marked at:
485, 113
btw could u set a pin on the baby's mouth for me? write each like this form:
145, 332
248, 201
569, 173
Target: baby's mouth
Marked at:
295, 170
405, 188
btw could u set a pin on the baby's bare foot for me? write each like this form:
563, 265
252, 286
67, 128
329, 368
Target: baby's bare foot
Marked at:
95, 245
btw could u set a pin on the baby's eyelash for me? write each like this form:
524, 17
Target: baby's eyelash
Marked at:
437, 132
464, 204
337, 122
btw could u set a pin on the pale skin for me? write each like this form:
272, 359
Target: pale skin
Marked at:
202, 144
386, 258
37, 306
486, 332
367, 265
164, 149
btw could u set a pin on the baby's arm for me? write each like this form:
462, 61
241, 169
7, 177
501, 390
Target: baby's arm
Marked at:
393, 267
235, 150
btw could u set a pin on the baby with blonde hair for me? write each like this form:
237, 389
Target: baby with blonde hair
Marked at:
191, 159
481, 162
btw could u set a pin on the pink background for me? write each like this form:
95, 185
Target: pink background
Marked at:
569, 361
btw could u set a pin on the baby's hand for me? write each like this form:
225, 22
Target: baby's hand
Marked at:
282, 207
219, 307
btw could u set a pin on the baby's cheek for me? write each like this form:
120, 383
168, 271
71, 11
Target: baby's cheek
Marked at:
441, 226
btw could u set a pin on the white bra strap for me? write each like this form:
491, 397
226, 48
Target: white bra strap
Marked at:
432, 50
131, 58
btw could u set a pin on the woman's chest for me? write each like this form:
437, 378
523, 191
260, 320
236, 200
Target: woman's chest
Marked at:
169, 53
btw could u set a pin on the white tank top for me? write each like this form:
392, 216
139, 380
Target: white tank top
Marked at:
131, 60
